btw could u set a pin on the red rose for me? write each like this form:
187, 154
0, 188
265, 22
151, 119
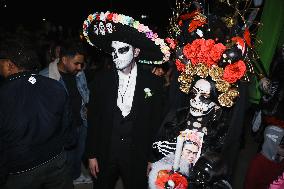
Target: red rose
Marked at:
204, 51
234, 71
217, 51
207, 45
187, 51
180, 66
109, 16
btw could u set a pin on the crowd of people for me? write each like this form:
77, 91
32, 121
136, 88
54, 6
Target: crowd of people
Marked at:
124, 103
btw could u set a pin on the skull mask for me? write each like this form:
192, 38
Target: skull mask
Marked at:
102, 28
109, 27
96, 29
122, 54
200, 103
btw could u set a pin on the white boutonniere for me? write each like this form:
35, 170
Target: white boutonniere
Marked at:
148, 92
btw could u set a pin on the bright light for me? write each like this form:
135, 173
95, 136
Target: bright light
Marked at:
143, 16
43, 19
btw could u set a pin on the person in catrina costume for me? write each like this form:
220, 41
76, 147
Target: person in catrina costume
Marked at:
212, 58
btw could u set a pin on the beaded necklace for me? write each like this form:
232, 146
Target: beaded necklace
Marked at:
128, 82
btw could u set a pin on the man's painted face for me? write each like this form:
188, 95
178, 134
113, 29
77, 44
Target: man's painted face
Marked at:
122, 54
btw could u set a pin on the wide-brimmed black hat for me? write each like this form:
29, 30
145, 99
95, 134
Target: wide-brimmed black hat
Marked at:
100, 29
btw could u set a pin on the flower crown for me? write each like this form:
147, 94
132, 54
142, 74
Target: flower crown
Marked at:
203, 57
200, 52
192, 136
128, 21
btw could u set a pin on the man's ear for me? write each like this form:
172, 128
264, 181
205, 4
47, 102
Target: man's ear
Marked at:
11, 66
64, 60
136, 52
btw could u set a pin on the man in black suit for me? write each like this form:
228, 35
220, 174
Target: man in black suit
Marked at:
126, 103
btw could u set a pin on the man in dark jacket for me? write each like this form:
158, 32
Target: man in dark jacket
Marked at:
34, 123
126, 103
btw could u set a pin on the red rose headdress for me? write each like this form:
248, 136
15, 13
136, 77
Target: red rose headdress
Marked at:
210, 47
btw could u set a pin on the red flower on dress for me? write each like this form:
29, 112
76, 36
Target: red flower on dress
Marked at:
179, 180
180, 66
162, 178
165, 175
234, 72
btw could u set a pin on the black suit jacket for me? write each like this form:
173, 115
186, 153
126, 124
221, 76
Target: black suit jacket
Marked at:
146, 113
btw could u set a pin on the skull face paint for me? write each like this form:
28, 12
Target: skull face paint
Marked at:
102, 28
122, 54
200, 103
109, 27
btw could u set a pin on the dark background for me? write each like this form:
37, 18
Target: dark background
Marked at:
72, 13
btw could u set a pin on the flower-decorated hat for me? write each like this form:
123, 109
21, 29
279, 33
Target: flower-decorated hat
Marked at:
101, 28
211, 47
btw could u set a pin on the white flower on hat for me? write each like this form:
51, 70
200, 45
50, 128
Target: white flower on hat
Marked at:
103, 16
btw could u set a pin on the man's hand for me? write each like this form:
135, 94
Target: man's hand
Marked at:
94, 167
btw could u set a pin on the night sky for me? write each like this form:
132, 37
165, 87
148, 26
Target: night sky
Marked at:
72, 13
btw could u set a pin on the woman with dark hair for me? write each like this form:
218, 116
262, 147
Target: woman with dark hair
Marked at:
212, 60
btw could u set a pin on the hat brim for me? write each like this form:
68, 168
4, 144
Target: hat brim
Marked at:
152, 49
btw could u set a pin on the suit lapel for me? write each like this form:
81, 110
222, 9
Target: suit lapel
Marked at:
138, 95
112, 88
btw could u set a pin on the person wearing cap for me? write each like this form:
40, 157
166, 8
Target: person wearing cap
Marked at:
126, 103
35, 122
269, 160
